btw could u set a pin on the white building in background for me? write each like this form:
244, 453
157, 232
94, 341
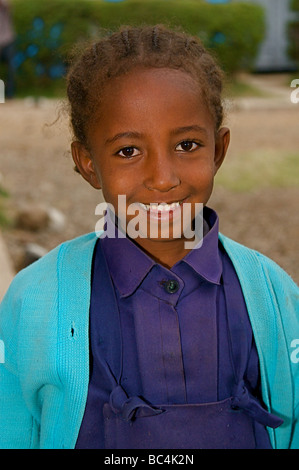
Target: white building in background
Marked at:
273, 54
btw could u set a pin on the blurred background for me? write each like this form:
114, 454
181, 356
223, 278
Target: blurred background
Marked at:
44, 202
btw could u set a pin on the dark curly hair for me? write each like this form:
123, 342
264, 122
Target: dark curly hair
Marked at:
149, 46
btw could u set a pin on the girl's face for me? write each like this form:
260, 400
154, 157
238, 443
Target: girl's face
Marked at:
154, 143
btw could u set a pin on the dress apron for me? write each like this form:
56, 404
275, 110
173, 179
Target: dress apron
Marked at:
130, 422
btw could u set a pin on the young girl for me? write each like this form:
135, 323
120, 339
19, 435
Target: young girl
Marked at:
135, 340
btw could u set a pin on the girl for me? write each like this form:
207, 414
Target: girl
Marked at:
135, 340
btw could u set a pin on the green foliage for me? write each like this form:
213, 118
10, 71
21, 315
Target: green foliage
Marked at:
3, 218
294, 5
293, 34
277, 169
48, 30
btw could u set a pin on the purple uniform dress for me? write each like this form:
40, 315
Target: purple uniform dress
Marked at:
173, 359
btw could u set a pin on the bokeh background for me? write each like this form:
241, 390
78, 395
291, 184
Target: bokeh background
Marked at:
44, 202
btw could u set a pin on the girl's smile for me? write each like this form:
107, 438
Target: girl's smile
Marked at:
154, 141
162, 211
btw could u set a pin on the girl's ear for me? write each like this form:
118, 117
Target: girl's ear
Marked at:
221, 146
84, 164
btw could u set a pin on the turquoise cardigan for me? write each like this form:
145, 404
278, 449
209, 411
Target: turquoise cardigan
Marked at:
44, 321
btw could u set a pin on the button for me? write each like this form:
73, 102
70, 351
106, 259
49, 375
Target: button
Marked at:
171, 286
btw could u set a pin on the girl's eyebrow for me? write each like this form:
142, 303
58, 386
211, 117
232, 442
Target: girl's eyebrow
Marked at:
129, 134
181, 130
138, 135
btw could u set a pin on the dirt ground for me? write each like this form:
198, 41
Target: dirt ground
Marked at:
36, 167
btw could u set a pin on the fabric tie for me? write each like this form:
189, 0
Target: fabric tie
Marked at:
130, 408
243, 400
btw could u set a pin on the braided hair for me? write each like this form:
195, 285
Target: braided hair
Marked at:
120, 52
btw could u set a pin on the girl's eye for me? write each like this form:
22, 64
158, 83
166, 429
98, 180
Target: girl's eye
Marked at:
187, 146
128, 152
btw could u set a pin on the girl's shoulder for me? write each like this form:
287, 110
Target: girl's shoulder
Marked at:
258, 273
68, 260
248, 258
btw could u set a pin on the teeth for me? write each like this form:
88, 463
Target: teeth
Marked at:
163, 207
144, 206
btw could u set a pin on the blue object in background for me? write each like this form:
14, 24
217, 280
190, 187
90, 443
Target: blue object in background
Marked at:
56, 30
18, 59
219, 38
218, 1
38, 24
57, 71
32, 50
40, 39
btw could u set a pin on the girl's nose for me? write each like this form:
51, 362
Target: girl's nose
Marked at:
161, 173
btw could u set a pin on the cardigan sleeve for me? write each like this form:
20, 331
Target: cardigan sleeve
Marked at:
45, 372
18, 429
28, 334
272, 300
286, 295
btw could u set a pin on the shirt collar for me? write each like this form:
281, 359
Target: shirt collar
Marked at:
206, 260
129, 265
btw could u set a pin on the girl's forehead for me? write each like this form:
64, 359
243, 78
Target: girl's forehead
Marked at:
151, 98
147, 87
140, 77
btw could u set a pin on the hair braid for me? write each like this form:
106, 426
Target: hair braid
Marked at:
125, 40
155, 38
